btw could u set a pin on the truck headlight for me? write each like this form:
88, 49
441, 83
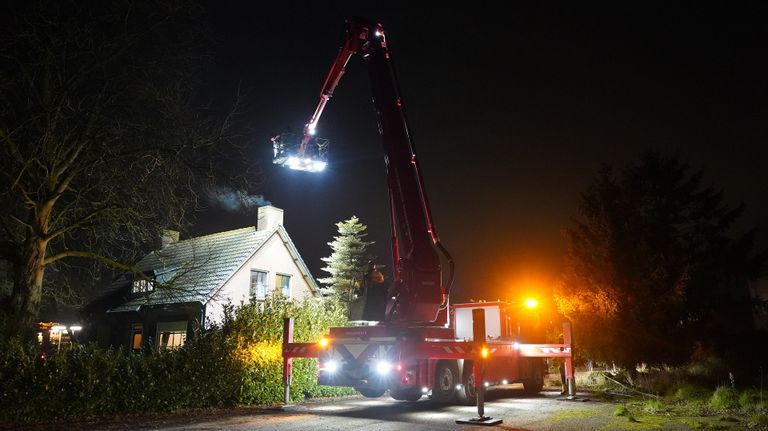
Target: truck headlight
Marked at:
383, 367
331, 367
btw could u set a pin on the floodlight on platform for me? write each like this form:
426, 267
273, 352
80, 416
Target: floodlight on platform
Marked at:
300, 153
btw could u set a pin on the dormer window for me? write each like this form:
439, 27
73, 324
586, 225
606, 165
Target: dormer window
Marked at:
142, 286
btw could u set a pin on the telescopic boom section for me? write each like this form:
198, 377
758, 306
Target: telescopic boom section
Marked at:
352, 41
418, 294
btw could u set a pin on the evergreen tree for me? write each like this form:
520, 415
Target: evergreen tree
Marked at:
348, 261
652, 272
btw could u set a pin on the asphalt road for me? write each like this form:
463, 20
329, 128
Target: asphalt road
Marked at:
517, 410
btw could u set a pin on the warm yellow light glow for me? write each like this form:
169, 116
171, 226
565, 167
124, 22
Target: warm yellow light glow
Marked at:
531, 302
323, 343
484, 352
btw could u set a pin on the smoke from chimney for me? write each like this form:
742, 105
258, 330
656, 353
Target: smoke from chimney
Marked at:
235, 200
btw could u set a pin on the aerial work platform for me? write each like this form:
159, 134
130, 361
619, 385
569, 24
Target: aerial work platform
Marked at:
291, 152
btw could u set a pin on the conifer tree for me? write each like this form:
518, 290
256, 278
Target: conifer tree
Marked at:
348, 261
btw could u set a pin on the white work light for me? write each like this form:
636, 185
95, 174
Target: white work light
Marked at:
383, 367
290, 152
331, 367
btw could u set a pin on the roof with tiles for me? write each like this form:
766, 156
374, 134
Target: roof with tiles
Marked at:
192, 270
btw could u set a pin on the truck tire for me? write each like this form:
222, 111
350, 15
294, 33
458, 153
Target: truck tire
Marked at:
446, 379
371, 392
467, 395
534, 382
411, 394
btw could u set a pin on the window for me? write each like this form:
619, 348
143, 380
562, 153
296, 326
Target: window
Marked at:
258, 284
137, 330
141, 286
171, 335
283, 283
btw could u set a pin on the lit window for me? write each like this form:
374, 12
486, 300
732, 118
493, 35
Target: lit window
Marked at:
283, 282
258, 284
171, 335
137, 330
141, 286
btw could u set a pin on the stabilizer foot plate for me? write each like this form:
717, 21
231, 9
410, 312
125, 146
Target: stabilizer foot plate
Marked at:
485, 420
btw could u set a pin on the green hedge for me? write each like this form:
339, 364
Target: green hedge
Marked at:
236, 363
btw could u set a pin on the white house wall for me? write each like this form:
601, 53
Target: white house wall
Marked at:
272, 257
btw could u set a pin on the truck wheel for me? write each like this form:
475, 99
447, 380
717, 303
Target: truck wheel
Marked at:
412, 394
535, 381
446, 379
371, 392
467, 395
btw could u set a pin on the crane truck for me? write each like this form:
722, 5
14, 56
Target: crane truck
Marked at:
412, 342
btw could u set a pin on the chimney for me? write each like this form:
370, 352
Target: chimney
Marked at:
269, 217
169, 236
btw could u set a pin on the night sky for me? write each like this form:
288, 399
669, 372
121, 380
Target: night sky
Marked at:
512, 112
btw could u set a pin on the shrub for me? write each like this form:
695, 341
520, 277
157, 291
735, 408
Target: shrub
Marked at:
752, 400
724, 398
707, 370
759, 420
239, 362
621, 410
654, 406
689, 392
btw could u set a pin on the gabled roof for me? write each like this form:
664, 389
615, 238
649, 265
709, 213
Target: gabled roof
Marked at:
196, 268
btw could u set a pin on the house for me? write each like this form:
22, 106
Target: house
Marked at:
189, 282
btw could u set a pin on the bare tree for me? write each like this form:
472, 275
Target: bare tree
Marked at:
101, 147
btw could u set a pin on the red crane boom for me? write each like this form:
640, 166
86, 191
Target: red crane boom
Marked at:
418, 293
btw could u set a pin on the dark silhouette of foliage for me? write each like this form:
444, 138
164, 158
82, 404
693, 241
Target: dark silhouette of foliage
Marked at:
101, 146
237, 363
652, 272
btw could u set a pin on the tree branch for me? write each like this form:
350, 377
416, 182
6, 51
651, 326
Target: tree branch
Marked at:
91, 255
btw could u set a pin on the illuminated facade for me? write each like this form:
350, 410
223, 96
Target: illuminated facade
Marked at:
190, 282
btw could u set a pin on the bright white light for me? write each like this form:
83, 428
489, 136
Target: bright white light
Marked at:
424, 389
382, 367
318, 165
311, 129
76, 328
293, 162
504, 382
487, 384
331, 366
516, 345
58, 328
458, 387
378, 33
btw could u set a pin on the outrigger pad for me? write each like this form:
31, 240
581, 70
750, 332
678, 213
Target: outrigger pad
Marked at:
485, 420
573, 398
289, 408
